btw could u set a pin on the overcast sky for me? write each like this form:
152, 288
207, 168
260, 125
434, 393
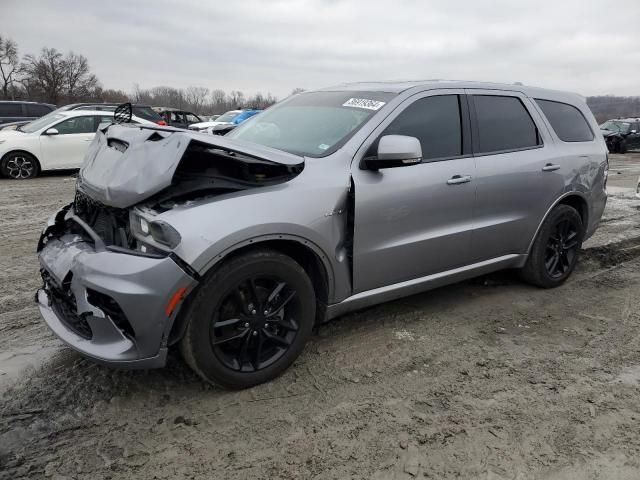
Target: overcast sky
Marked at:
274, 46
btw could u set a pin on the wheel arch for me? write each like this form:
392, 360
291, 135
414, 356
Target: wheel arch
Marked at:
575, 200
27, 152
310, 257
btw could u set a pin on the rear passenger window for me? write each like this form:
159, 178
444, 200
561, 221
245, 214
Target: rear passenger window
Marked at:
435, 121
567, 121
10, 110
503, 124
37, 110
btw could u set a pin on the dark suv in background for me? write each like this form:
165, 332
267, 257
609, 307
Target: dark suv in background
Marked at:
12, 111
177, 118
621, 134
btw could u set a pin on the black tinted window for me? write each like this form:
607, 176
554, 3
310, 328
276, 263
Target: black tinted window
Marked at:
11, 109
37, 110
503, 124
435, 121
147, 113
567, 121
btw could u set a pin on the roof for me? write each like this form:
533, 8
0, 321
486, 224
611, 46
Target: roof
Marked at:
403, 85
29, 102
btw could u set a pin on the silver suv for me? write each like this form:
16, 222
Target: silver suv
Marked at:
234, 247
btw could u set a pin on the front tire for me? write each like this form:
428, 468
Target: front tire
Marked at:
622, 146
19, 166
249, 320
555, 250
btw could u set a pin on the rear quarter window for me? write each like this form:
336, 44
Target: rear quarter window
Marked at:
567, 121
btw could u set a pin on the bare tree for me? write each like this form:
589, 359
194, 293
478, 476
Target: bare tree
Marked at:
79, 82
196, 97
45, 74
297, 90
9, 64
237, 99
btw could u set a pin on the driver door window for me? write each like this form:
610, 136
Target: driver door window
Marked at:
435, 121
76, 125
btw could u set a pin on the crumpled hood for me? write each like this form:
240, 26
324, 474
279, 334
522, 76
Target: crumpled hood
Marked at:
128, 164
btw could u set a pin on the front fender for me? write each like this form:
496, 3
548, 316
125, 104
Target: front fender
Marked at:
308, 210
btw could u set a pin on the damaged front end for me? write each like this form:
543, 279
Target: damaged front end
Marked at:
112, 284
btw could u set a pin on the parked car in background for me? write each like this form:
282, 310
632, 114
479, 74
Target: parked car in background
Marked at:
58, 140
15, 111
175, 117
143, 112
334, 200
233, 117
208, 118
621, 134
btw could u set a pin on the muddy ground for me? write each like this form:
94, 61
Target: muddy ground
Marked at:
487, 379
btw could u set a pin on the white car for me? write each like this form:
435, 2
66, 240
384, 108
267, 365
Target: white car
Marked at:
56, 141
224, 119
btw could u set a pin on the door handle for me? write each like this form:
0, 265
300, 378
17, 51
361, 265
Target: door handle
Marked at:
88, 139
458, 179
550, 167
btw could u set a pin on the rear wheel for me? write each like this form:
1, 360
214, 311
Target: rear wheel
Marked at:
249, 320
19, 166
555, 250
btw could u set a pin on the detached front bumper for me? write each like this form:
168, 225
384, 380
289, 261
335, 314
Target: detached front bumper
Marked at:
107, 305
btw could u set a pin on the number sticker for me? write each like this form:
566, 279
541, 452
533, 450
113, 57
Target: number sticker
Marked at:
363, 103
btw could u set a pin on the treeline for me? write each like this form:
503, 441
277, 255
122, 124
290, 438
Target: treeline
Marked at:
607, 106
54, 77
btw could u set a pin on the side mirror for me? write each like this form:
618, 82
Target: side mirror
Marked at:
395, 151
51, 131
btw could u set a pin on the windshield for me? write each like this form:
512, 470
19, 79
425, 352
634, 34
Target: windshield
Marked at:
615, 126
40, 122
227, 117
313, 124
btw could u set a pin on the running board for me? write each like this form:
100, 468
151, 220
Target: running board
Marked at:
417, 285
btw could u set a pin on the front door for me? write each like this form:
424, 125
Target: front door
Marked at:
416, 220
67, 148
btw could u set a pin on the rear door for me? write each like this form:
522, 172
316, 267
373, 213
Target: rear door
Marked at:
519, 172
416, 220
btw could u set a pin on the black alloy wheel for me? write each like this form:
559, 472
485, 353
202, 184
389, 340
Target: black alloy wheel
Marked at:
249, 319
255, 324
554, 252
562, 247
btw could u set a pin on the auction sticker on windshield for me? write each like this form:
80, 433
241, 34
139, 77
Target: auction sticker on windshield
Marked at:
363, 103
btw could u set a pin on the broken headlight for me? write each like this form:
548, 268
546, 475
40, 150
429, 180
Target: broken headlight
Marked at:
155, 232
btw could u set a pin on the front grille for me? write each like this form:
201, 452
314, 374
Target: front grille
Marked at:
63, 303
110, 224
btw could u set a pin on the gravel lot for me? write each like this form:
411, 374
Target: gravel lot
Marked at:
487, 379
